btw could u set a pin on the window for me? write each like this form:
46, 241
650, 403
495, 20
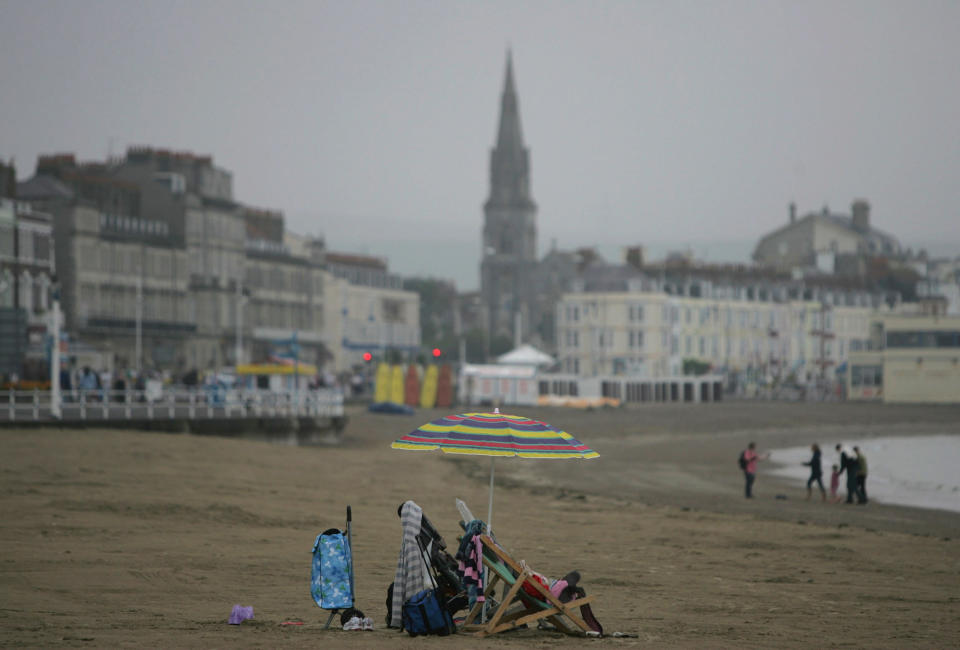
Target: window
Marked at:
866, 376
920, 339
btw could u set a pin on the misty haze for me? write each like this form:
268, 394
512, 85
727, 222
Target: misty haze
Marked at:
254, 254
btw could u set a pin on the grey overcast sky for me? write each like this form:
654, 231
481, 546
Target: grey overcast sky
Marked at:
675, 122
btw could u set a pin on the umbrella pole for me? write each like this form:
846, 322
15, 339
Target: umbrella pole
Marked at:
486, 571
490, 505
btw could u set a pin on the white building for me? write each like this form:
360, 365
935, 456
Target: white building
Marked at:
911, 358
369, 311
650, 333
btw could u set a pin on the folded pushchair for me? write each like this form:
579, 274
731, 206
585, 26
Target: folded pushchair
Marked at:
441, 566
331, 575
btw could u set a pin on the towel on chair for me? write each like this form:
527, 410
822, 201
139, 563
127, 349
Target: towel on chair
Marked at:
411, 576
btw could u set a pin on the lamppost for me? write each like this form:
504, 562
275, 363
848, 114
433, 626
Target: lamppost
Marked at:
55, 399
241, 300
139, 325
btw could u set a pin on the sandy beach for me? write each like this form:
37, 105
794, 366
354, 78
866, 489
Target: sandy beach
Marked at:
135, 539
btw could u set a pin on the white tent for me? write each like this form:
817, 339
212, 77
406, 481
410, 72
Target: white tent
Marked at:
526, 355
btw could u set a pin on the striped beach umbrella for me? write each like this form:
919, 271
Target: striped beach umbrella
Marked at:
494, 434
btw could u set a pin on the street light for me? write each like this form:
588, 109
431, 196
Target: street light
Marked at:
55, 356
241, 300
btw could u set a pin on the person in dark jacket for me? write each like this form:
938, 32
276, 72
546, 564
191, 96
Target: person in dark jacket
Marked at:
848, 464
861, 475
816, 472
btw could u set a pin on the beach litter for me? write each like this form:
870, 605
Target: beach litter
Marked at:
240, 614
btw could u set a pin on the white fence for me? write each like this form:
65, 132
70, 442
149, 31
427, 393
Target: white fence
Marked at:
200, 403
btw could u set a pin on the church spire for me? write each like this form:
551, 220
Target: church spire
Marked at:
509, 135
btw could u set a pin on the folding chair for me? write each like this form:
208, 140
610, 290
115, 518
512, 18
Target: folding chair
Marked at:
518, 607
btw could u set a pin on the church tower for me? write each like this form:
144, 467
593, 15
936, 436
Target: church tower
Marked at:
509, 256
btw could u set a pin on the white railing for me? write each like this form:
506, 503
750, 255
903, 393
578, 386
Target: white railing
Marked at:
184, 403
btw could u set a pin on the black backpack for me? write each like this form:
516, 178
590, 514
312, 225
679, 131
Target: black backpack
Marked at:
742, 461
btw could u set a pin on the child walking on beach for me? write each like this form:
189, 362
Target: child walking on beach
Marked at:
834, 484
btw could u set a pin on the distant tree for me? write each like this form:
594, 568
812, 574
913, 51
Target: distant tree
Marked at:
547, 328
438, 299
883, 275
695, 367
500, 344
476, 344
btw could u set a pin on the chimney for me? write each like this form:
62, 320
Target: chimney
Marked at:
793, 212
634, 256
861, 215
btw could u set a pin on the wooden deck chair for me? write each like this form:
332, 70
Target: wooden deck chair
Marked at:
518, 607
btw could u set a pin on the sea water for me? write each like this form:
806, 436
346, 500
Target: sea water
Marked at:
918, 471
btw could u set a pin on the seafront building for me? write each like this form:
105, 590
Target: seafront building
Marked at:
159, 267
908, 358
27, 270
827, 240
659, 322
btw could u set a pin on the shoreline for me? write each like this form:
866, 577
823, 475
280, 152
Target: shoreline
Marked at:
912, 471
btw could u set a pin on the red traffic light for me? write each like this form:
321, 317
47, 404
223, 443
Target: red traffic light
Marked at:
367, 356
436, 352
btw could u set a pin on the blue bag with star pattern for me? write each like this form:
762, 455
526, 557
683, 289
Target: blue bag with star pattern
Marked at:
331, 575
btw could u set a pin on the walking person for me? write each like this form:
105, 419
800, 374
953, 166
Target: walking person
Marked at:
861, 475
748, 462
848, 464
816, 472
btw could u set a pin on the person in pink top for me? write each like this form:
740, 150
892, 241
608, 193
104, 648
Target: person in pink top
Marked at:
749, 463
835, 484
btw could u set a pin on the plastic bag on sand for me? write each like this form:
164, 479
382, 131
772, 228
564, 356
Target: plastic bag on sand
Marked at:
240, 614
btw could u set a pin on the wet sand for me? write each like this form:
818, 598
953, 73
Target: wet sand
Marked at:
134, 539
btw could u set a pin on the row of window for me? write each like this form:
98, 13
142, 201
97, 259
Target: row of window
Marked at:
380, 334
34, 291
111, 301
211, 226
711, 346
284, 315
672, 314
137, 225
126, 259
920, 339
558, 387
276, 278
32, 247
